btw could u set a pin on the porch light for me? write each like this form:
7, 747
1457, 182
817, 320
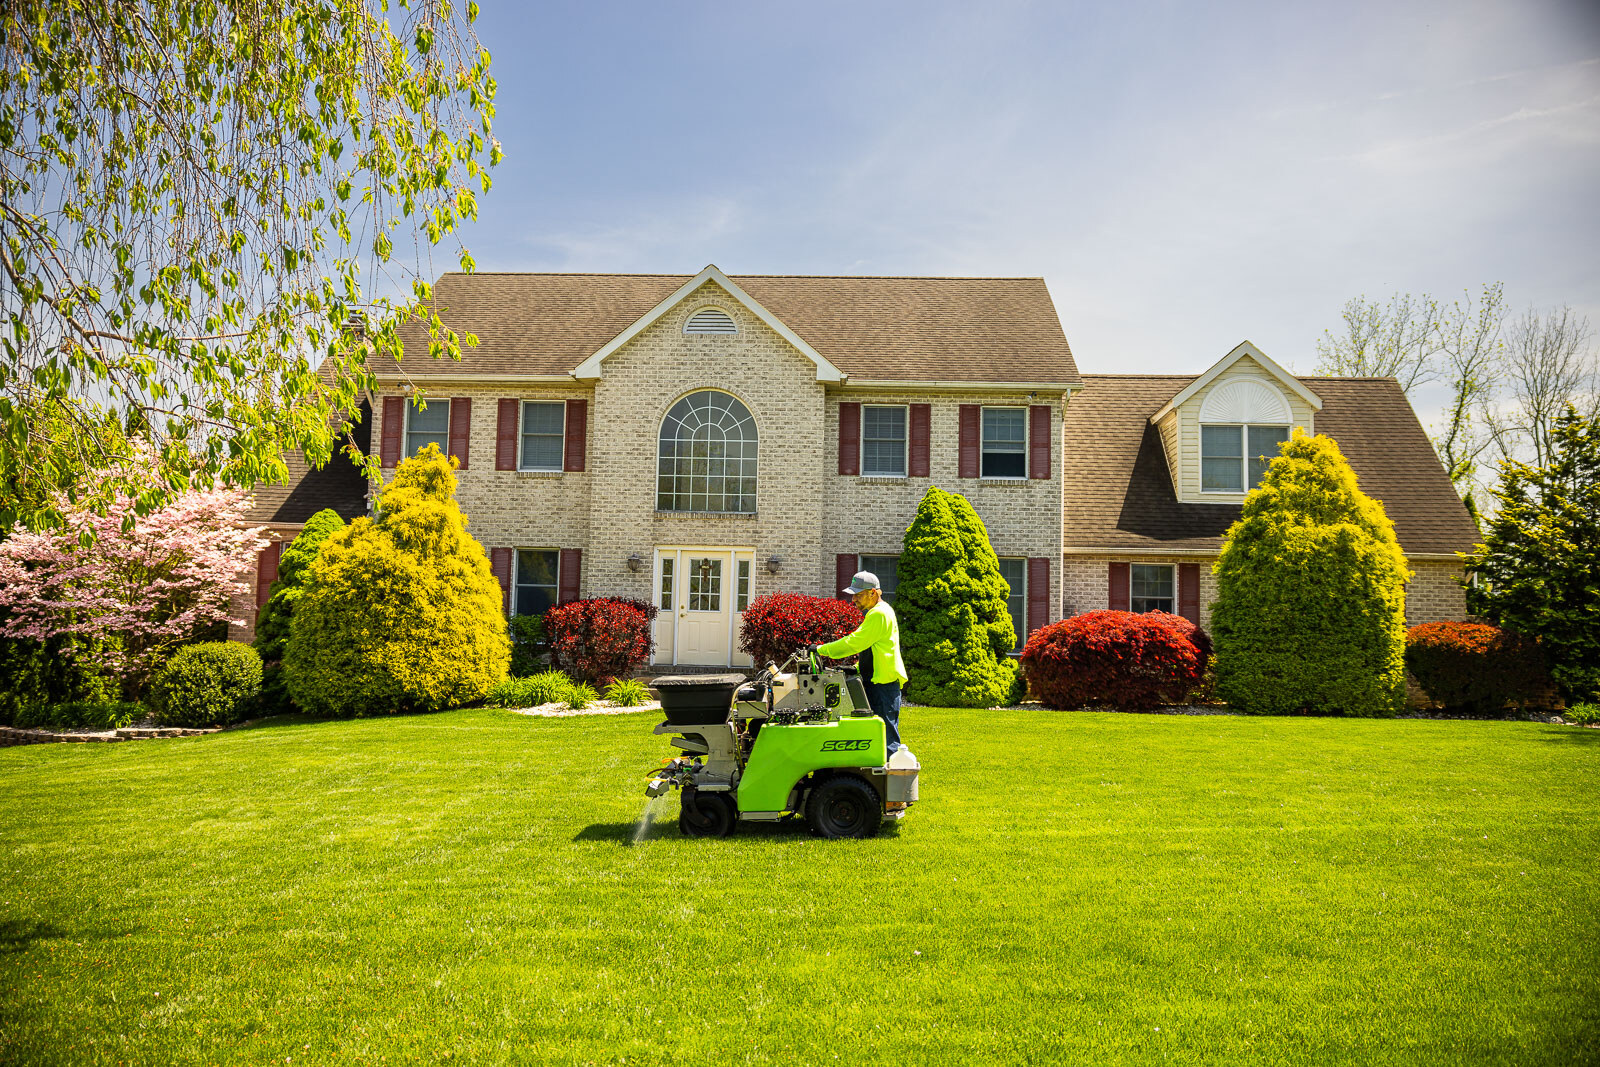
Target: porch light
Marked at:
635, 561
773, 563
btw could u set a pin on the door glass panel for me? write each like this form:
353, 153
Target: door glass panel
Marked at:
705, 584
744, 586
666, 583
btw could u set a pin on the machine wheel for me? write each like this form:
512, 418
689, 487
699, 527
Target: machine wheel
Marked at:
706, 814
844, 806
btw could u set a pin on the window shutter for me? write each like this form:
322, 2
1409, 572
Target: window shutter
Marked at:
845, 566
1189, 591
394, 428
571, 564
850, 439
577, 442
266, 574
460, 428
500, 563
1039, 441
1038, 592
921, 426
505, 436
1119, 598
970, 431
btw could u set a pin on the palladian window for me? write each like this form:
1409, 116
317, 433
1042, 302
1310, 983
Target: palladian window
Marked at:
707, 458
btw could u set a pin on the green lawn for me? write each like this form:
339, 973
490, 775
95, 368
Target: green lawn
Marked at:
1074, 886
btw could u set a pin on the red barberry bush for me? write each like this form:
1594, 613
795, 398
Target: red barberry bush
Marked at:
600, 639
778, 623
1476, 666
1116, 659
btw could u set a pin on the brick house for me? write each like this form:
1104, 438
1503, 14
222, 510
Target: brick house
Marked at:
699, 441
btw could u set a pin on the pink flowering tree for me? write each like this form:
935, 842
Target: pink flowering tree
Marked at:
132, 586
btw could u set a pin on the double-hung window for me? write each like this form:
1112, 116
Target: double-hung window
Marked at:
1234, 457
537, 571
1015, 572
1152, 585
544, 426
1005, 437
883, 441
887, 569
430, 426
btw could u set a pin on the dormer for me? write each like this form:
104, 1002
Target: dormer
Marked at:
1222, 430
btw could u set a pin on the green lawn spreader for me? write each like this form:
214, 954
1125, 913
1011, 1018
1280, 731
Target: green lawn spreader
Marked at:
794, 741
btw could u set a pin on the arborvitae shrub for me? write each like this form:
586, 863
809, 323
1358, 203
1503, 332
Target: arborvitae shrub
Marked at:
601, 638
779, 623
955, 632
1116, 659
1310, 610
402, 613
272, 631
209, 684
1476, 666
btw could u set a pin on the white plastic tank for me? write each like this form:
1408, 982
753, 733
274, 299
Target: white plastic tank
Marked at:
902, 784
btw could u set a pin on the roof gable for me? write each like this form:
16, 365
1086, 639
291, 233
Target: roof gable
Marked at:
1243, 350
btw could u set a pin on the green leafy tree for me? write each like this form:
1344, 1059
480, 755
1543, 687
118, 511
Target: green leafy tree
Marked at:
1310, 610
196, 197
955, 631
401, 613
1539, 566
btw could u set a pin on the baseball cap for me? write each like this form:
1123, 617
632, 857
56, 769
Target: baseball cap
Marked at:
862, 581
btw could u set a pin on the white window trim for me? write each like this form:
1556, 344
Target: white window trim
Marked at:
516, 569
522, 408
405, 436
655, 478
905, 443
1244, 454
1026, 430
1171, 568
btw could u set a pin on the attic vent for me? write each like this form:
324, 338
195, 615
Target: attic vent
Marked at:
710, 320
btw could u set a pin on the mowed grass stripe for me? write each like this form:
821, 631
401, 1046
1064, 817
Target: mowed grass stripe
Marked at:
1074, 886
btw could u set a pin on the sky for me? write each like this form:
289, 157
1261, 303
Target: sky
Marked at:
1183, 176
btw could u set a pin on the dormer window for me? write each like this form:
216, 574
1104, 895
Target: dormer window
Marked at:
710, 320
1242, 422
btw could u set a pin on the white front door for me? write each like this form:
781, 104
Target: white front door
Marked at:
702, 594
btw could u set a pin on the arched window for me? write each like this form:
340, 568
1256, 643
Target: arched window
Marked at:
707, 459
1242, 423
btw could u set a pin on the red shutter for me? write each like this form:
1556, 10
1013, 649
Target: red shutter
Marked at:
1119, 594
577, 441
849, 439
266, 573
571, 564
1189, 591
1039, 441
845, 566
394, 428
460, 428
921, 423
970, 430
1038, 592
500, 563
505, 435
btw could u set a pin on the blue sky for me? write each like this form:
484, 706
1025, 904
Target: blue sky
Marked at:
1184, 176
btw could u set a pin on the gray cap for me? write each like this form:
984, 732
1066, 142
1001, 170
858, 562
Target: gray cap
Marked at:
863, 580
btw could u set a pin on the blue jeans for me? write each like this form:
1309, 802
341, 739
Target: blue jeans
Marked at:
884, 700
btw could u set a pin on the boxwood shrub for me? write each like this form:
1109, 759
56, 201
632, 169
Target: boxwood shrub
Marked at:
1116, 659
209, 684
1476, 666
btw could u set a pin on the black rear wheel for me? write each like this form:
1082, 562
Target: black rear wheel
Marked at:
844, 806
706, 814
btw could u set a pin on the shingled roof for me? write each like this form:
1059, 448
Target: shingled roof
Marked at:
1119, 493
338, 484
978, 330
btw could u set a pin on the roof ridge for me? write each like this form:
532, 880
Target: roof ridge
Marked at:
838, 277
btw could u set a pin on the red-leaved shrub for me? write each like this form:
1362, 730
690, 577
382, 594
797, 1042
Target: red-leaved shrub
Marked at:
1476, 666
779, 623
599, 639
1116, 659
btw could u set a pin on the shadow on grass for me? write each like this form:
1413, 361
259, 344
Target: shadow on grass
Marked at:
17, 934
626, 834
1570, 735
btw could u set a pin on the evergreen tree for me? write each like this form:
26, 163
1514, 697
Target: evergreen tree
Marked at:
1539, 566
955, 631
272, 632
1310, 611
401, 613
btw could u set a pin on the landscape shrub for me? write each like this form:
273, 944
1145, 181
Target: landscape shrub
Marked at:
209, 684
777, 624
61, 669
81, 714
1582, 714
581, 696
528, 646
627, 692
401, 613
601, 638
956, 633
1116, 659
1476, 666
546, 687
1310, 609
272, 630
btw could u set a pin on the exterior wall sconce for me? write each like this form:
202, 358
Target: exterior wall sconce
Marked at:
773, 563
635, 561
